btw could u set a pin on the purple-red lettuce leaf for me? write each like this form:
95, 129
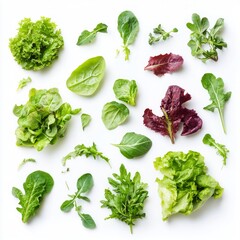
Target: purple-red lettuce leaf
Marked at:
164, 63
173, 115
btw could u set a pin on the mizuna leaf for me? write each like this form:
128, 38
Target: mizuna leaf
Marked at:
164, 63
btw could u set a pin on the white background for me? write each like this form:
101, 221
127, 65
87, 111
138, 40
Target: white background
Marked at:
218, 219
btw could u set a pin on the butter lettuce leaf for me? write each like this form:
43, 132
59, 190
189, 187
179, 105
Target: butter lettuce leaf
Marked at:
185, 186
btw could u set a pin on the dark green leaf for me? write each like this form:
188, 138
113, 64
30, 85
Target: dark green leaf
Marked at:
85, 183
67, 205
134, 145
87, 221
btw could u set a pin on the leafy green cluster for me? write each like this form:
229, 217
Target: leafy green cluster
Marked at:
221, 149
84, 185
160, 34
185, 186
204, 42
80, 150
126, 201
43, 119
37, 44
36, 186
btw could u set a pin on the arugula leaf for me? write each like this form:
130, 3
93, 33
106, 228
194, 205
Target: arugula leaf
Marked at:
215, 88
88, 37
164, 63
154, 37
126, 90
221, 149
126, 200
43, 119
85, 119
134, 145
26, 160
185, 186
114, 114
202, 37
36, 186
23, 83
86, 78
37, 44
128, 27
84, 185
80, 150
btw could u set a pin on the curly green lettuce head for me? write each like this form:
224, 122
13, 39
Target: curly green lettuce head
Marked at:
36, 44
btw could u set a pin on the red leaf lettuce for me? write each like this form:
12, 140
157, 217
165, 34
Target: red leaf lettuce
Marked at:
164, 63
173, 115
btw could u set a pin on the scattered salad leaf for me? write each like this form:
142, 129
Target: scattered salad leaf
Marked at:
86, 79
126, 90
114, 114
215, 88
128, 27
86, 119
26, 160
23, 83
221, 149
160, 34
204, 42
43, 119
88, 37
185, 186
126, 200
37, 44
36, 186
164, 63
173, 115
84, 185
134, 145
80, 150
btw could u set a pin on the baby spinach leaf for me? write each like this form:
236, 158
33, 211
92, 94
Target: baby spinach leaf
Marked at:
128, 27
221, 149
134, 145
84, 185
126, 90
86, 79
86, 119
215, 88
114, 114
36, 186
88, 37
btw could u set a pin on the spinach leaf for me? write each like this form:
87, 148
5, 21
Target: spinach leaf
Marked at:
134, 145
88, 37
128, 27
36, 186
86, 78
86, 119
127, 197
126, 90
84, 185
114, 114
215, 88
221, 149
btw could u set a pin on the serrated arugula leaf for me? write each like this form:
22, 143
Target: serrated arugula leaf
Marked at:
127, 198
36, 186
215, 88
89, 36
221, 149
